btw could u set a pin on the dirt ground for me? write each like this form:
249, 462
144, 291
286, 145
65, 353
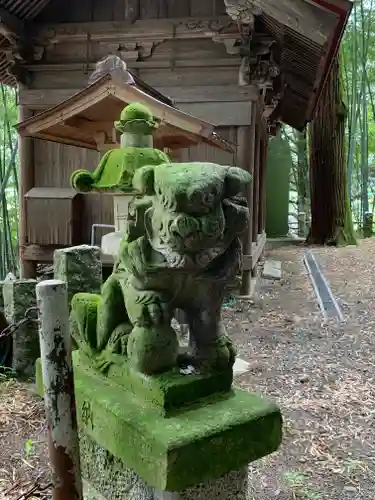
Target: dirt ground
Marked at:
321, 375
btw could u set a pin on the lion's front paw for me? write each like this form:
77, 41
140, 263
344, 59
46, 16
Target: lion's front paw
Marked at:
119, 339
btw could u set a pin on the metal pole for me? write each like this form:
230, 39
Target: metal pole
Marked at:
56, 356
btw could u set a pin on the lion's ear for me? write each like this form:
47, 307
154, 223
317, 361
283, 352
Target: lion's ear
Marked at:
144, 180
236, 181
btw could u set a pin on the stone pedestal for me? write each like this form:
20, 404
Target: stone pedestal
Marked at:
232, 486
19, 295
108, 479
80, 267
148, 437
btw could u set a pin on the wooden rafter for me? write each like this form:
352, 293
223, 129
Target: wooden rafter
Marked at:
11, 26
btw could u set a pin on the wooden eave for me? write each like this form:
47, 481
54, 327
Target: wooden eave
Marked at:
305, 60
342, 8
82, 118
15, 20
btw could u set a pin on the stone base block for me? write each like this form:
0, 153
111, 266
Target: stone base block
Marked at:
188, 446
107, 478
167, 391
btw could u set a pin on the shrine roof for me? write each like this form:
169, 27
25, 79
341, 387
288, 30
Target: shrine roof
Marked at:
88, 115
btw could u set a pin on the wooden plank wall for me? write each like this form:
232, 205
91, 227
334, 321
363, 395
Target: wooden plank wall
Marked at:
64, 67
199, 62
54, 164
119, 10
203, 152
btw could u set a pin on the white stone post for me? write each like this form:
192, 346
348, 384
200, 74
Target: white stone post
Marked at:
57, 369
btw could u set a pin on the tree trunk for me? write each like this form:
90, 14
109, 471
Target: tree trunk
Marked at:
331, 218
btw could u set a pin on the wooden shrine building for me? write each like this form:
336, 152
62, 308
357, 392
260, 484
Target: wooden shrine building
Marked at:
242, 65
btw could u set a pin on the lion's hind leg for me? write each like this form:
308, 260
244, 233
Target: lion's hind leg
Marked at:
83, 320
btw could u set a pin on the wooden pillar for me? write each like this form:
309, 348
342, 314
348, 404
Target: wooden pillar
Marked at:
26, 182
245, 153
256, 180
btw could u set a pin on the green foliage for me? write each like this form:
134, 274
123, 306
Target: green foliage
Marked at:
358, 55
29, 445
299, 194
8, 183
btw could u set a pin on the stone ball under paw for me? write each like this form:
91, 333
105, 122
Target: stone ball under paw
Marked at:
153, 349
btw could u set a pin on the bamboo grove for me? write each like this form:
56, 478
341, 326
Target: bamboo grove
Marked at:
8, 183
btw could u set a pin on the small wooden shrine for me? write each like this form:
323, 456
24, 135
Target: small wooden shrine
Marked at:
87, 120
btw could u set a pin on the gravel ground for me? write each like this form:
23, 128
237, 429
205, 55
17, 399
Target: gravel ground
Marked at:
321, 374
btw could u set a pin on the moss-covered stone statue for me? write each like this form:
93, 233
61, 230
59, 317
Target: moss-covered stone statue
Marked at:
181, 251
153, 416
116, 169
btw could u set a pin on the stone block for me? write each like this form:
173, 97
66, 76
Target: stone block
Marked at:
232, 486
106, 478
80, 267
272, 270
19, 295
192, 445
166, 391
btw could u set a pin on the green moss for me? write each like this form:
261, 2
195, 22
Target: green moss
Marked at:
166, 391
137, 119
190, 446
116, 169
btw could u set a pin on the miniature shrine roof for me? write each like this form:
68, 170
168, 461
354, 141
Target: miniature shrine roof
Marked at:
87, 118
